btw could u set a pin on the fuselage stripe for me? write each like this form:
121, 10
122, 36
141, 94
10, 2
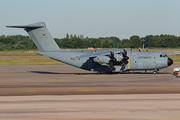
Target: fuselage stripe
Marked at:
129, 62
117, 57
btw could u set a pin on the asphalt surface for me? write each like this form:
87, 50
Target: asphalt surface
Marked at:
91, 107
67, 80
63, 92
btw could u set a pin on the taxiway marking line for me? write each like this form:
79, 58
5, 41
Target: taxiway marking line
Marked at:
31, 118
104, 90
93, 90
64, 81
29, 80
31, 90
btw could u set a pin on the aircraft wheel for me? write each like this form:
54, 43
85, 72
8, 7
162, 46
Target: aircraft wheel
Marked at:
155, 72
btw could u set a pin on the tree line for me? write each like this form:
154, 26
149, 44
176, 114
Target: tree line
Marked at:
12, 42
80, 42
15, 42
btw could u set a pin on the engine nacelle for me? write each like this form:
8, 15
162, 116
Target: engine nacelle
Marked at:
101, 59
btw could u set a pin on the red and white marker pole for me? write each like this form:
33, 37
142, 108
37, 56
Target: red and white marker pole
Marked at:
143, 44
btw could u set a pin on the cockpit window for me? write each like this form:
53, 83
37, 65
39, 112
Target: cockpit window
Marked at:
163, 55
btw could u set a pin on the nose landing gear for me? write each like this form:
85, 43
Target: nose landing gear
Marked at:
155, 72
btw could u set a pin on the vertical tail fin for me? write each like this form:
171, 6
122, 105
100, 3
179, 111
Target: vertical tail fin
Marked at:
40, 36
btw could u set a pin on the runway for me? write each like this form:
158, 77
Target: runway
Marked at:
52, 92
68, 80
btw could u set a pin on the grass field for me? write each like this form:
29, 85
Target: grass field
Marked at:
30, 57
24, 57
175, 58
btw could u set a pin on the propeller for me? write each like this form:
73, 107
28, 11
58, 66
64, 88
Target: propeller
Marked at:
125, 57
112, 60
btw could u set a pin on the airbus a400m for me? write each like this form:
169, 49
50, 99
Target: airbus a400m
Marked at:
107, 61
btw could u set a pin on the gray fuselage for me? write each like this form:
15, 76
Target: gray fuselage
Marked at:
137, 60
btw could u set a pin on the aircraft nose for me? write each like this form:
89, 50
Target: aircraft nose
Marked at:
170, 61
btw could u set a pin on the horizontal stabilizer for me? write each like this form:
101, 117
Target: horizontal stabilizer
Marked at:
31, 27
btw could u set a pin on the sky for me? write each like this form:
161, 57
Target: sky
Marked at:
93, 18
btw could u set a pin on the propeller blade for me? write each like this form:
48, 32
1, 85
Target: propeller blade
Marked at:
125, 53
112, 60
112, 54
111, 64
125, 57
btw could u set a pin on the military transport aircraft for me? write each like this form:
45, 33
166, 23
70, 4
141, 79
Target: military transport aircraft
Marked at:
108, 61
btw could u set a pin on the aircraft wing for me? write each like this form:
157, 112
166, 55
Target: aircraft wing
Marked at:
95, 54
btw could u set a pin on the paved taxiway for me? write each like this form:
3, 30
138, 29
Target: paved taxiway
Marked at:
64, 92
68, 80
